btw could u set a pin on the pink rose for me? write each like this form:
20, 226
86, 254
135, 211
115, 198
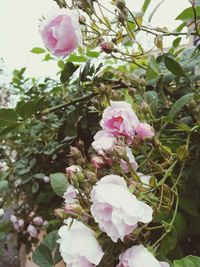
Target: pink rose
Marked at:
119, 119
61, 32
139, 256
144, 131
78, 245
123, 164
103, 141
115, 209
70, 195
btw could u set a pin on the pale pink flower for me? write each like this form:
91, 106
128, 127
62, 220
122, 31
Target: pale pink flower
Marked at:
103, 141
115, 209
70, 194
139, 256
32, 231
123, 164
38, 221
1, 212
61, 32
78, 245
73, 169
144, 131
21, 223
119, 119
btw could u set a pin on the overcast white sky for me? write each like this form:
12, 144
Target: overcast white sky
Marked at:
19, 30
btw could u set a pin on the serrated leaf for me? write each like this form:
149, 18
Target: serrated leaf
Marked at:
58, 183
173, 66
180, 103
38, 50
42, 256
153, 69
8, 117
189, 261
67, 72
188, 14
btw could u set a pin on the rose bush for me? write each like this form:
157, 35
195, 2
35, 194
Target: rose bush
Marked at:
112, 146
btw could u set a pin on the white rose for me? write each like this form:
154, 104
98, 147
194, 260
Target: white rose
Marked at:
78, 245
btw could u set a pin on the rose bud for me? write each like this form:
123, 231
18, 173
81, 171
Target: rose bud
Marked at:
46, 179
38, 221
32, 231
107, 47
73, 209
97, 162
73, 169
91, 176
144, 131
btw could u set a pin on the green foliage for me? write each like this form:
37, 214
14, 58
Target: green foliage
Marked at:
59, 183
189, 261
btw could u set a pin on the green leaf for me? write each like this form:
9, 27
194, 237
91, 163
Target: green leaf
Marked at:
169, 242
189, 261
152, 100
188, 14
67, 72
85, 71
58, 183
173, 66
38, 50
42, 256
75, 58
3, 185
189, 206
27, 109
180, 225
153, 69
93, 54
8, 117
176, 42
35, 187
145, 5
50, 240
180, 103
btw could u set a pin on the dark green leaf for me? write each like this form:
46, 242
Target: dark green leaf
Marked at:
85, 71
50, 240
59, 183
189, 206
38, 50
180, 103
173, 66
3, 185
169, 242
189, 261
188, 14
67, 72
176, 42
42, 256
35, 187
8, 117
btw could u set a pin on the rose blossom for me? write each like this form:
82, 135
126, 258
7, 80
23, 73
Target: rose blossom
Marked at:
144, 131
103, 141
70, 195
115, 209
61, 32
32, 231
97, 162
84, 253
123, 164
139, 256
73, 169
38, 221
119, 119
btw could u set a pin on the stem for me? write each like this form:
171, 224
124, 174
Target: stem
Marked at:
79, 99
